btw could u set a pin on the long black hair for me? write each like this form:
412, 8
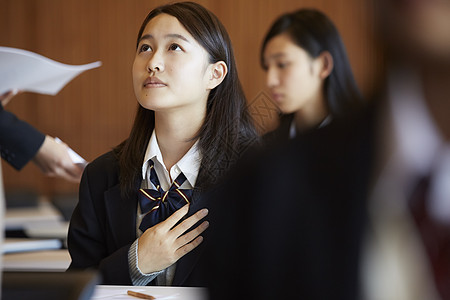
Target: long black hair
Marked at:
228, 128
314, 32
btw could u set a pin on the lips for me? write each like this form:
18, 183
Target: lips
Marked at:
152, 82
277, 97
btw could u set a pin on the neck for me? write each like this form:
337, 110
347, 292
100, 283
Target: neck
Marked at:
436, 86
175, 134
311, 115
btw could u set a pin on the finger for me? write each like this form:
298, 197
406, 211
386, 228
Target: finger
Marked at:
73, 171
6, 97
69, 176
60, 173
69, 172
175, 217
182, 251
191, 235
189, 222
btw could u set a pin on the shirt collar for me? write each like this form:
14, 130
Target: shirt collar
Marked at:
189, 164
293, 128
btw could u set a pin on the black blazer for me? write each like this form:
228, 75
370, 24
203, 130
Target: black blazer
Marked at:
19, 141
103, 227
280, 135
288, 221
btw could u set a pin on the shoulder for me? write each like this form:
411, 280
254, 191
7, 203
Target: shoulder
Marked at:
103, 170
281, 133
107, 160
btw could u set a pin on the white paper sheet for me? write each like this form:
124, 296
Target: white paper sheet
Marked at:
28, 71
159, 292
76, 158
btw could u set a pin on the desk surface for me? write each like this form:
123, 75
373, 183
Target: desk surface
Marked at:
159, 292
45, 214
50, 260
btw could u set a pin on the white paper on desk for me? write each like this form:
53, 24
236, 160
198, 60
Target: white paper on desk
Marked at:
119, 293
28, 71
159, 292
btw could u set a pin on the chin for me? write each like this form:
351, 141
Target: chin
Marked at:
147, 104
286, 110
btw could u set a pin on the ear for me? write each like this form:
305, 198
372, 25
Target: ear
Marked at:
217, 73
327, 64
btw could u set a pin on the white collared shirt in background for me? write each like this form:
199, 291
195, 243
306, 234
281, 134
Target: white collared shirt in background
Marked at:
293, 127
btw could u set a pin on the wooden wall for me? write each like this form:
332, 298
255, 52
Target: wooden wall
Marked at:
94, 112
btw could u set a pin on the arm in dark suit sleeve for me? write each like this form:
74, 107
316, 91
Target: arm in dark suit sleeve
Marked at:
19, 141
89, 241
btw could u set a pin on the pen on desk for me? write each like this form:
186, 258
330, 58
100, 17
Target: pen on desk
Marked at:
140, 295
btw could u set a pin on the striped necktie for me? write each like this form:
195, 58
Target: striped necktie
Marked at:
157, 204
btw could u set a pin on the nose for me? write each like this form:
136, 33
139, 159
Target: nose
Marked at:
155, 63
272, 79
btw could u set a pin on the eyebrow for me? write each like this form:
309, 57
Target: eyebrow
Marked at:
277, 55
167, 36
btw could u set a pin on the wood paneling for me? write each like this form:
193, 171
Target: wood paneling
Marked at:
94, 112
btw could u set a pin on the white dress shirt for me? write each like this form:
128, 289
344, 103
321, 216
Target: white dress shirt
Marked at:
189, 165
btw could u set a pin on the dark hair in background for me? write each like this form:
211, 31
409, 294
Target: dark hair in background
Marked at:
314, 32
228, 128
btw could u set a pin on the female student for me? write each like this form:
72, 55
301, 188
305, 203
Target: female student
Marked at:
307, 72
132, 220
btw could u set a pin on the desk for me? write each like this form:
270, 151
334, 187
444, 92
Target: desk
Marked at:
160, 292
45, 214
43, 261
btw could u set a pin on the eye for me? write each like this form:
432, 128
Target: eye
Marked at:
282, 65
175, 47
144, 48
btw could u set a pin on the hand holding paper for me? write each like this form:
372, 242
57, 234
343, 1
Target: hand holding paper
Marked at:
56, 159
22, 70
76, 158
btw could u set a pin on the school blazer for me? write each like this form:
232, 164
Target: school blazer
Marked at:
103, 227
19, 141
280, 135
289, 220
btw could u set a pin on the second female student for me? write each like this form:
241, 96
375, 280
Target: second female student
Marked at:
307, 72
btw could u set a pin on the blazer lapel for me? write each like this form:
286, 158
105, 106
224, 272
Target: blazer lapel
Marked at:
122, 216
186, 264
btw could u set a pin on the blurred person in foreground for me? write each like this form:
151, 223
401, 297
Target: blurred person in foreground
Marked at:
407, 253
288, 222
361, 208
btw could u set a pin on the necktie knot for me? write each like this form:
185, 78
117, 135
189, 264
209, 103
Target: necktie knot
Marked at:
158, 204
